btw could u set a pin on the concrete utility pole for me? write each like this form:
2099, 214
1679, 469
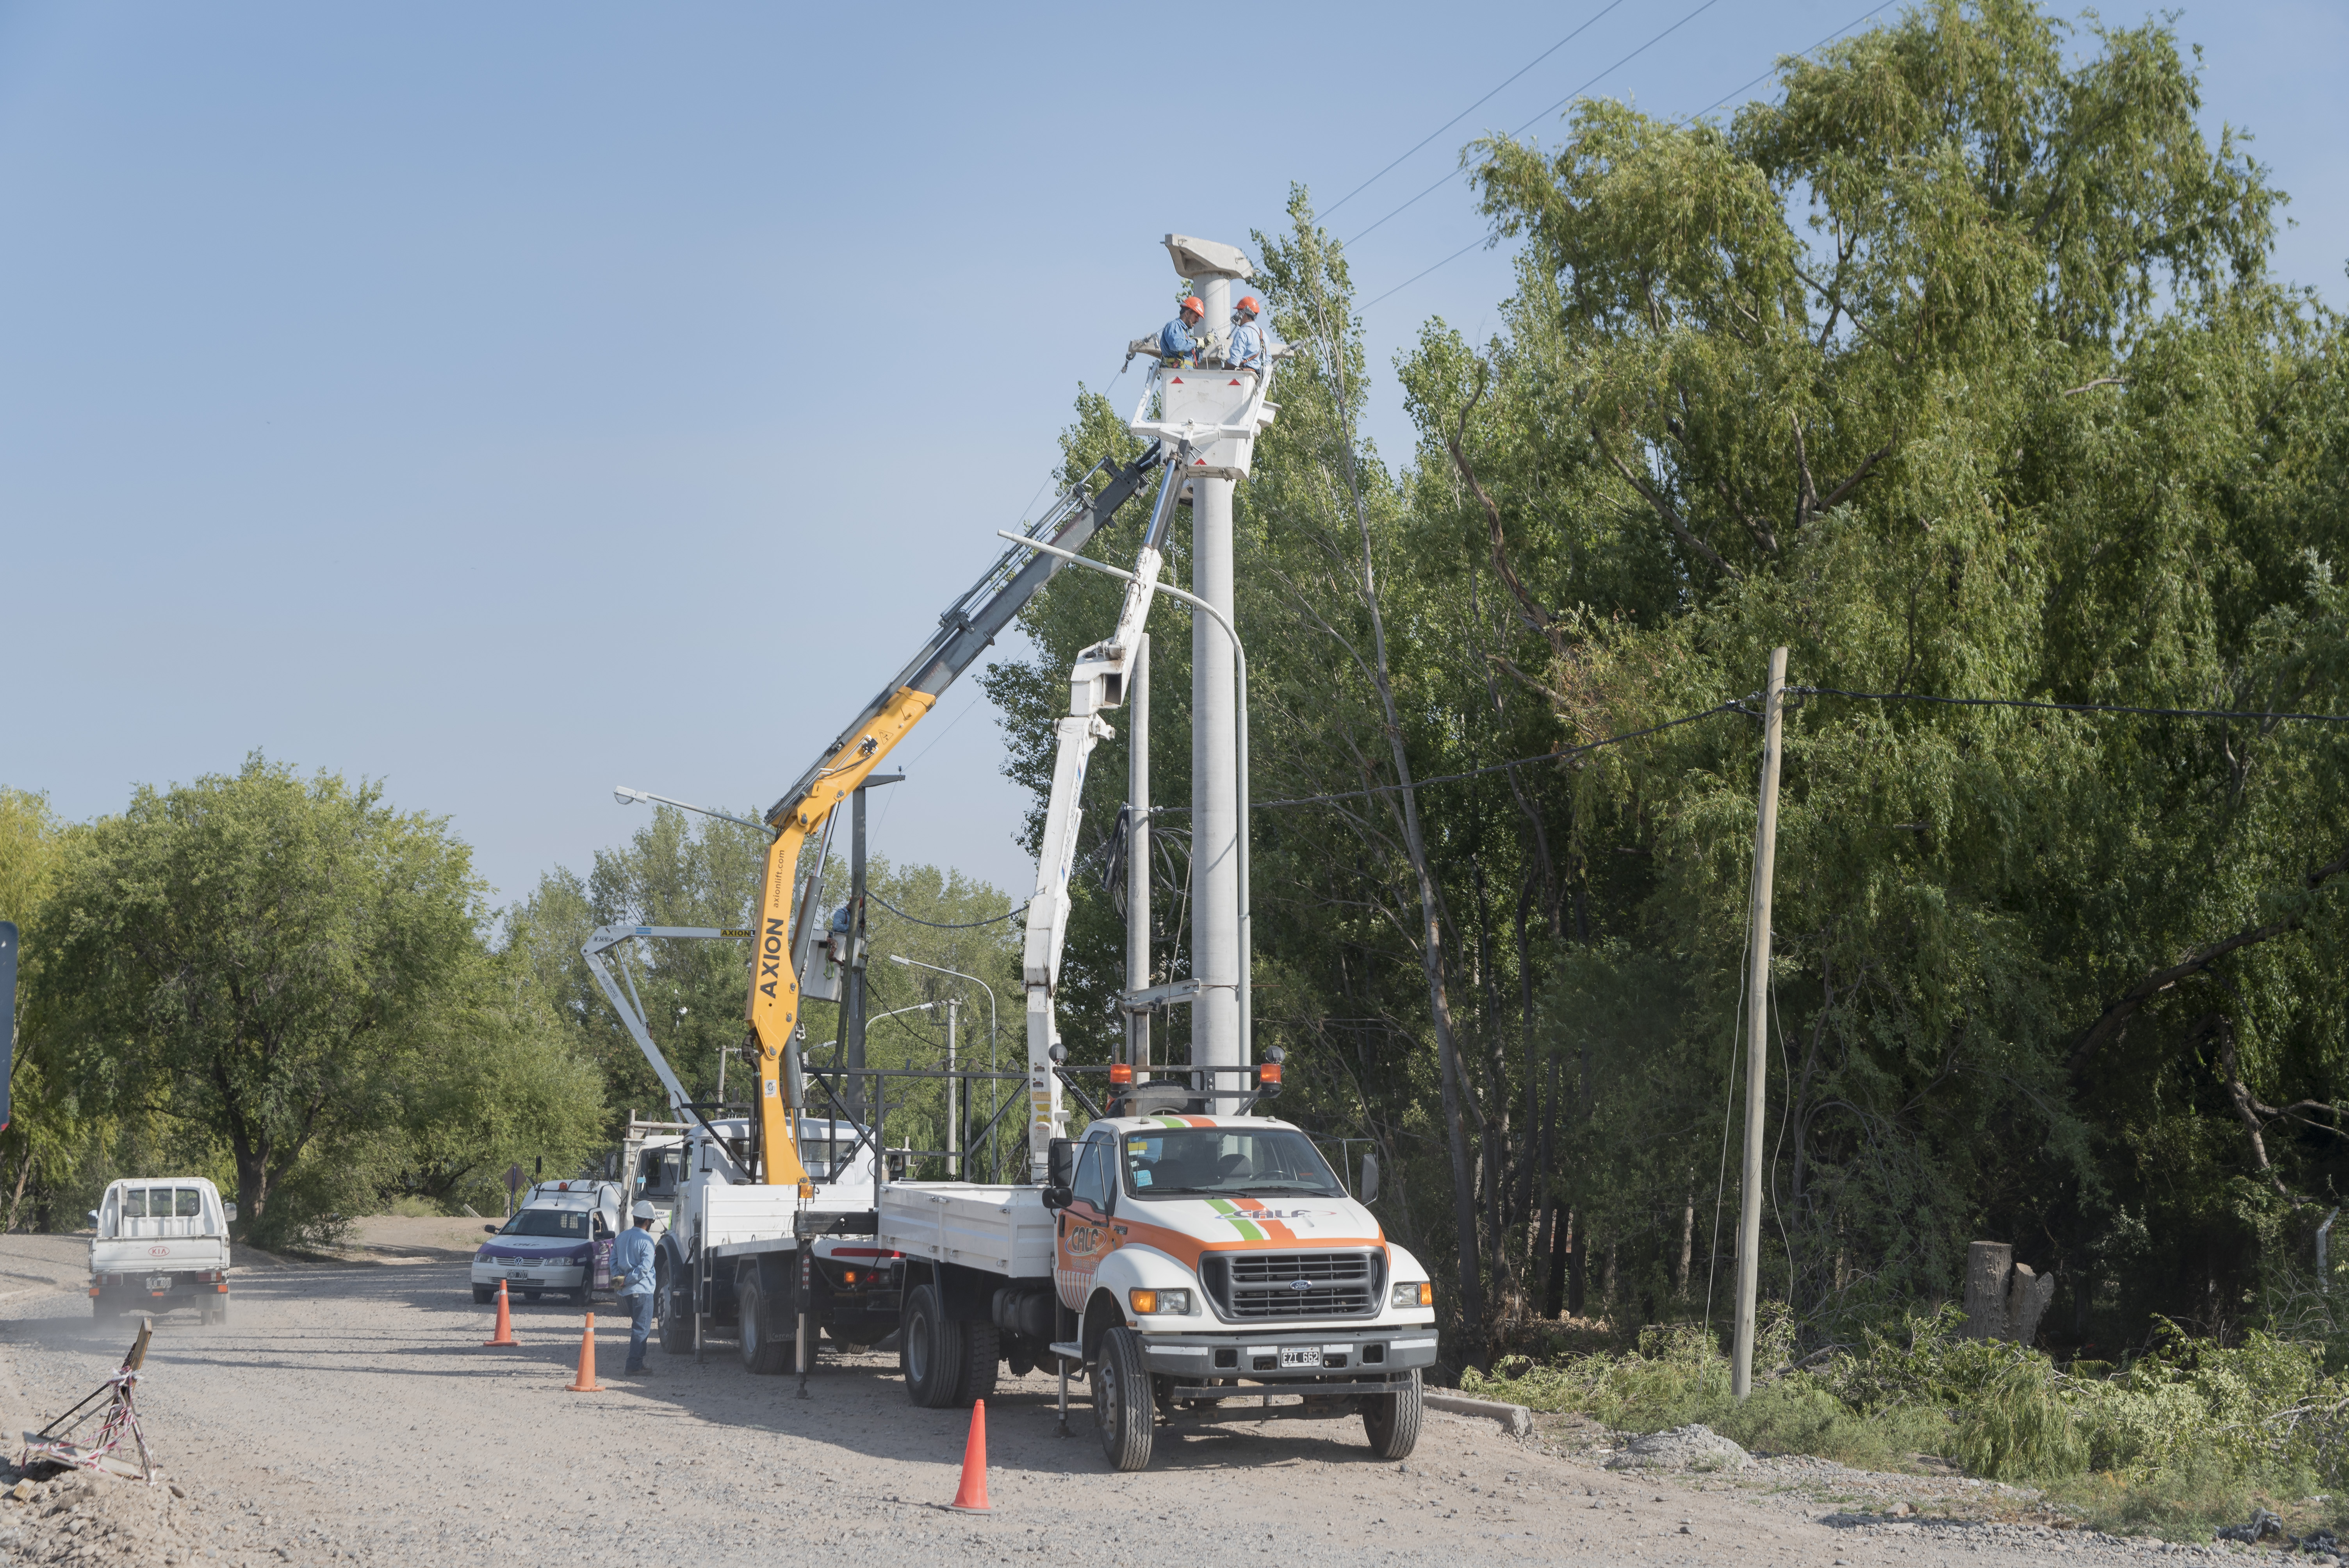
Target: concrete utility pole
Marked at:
1137, 851
1757, 1030
1214, 806
954, 1127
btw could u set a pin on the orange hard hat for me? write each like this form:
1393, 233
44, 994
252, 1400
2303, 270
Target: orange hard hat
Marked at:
1248, 305
1192, 304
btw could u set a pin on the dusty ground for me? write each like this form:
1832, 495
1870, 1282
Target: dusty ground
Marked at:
347, 1413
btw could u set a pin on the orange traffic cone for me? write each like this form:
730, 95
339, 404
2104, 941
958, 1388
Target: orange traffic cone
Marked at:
505, 1321
586, 1382
972, 1497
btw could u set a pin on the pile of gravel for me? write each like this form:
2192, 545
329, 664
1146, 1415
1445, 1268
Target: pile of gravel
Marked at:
84, 1517
1695, 1447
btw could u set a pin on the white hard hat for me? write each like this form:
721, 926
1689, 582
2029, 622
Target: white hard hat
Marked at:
645, 1210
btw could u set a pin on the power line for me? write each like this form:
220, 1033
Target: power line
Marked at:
1813, 49
1464, 113
1464, 249
1701, 8
2068, 706
1558, 756
943, 925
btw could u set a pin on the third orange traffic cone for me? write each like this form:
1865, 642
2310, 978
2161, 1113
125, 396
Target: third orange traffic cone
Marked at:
972, 1496
586, 1382
505, 1321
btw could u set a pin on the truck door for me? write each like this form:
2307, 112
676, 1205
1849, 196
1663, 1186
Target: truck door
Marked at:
1082, 1236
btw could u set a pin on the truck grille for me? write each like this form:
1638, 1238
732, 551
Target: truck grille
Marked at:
1252, 1287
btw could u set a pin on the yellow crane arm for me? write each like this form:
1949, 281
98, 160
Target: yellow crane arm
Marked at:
969, 627
774, 977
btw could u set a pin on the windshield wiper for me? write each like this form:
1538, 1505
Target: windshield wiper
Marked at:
1256, 1187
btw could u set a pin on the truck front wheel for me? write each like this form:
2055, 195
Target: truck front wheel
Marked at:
1125, 1414
930, 1351
1393, 1420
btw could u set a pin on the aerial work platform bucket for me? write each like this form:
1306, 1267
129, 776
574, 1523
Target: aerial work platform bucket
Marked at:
1219, 412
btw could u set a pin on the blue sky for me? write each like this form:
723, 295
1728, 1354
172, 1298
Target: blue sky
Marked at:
510, 401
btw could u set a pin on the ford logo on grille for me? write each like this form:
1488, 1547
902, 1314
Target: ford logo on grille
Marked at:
1300, 1284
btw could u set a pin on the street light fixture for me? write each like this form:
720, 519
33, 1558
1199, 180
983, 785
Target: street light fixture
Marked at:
951, 1084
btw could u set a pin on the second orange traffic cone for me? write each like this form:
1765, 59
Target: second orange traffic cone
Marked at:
972, 1496
505, 1321
586, 1382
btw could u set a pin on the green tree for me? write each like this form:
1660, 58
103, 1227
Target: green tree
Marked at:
256, 957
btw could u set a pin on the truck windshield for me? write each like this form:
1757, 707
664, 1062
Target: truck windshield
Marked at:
1225, 1163
548, 1223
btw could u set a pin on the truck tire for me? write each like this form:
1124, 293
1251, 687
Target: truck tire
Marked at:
483, 1295
1393, 1420
217, 1311
930, 1351
982, 1351
105, 1306
676, 1312
764, 1352
1126, 1413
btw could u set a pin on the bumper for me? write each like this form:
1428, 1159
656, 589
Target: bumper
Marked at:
531, 1276
1343, 1353
191, 1289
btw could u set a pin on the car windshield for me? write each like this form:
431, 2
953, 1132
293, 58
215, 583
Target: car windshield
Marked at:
571, 1222
1225, 1163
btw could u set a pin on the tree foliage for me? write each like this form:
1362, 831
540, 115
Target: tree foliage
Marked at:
1957, 369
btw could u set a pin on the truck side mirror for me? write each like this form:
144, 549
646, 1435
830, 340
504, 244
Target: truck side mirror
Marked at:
490, 1229
1370, 1177
1059, 1172
93, 1216
229, 1212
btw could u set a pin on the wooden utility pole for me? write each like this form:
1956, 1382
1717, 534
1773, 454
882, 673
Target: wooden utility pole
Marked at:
1757, 1030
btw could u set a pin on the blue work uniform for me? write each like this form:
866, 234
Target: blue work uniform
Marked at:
1176, 344
632, 1268
1250, 351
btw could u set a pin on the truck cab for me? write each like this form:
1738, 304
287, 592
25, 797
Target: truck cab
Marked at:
1180, 1261
1196, 1253
158, 1244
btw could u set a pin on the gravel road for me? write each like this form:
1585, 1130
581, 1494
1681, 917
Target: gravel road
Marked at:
347, 1413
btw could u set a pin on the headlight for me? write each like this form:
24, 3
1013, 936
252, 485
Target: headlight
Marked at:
1159, 1302
1420, 1295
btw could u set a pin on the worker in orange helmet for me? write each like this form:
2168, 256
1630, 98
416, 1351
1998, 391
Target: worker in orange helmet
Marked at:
1249, 349
1176, 344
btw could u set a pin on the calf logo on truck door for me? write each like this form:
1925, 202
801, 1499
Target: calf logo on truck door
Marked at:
1084, 1235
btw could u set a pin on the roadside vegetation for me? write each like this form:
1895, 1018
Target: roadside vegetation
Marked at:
2187, 1436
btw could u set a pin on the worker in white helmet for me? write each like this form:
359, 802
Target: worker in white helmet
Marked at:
632, 1267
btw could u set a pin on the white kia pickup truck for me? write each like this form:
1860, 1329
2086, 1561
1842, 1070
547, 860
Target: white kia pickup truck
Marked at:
161, 1245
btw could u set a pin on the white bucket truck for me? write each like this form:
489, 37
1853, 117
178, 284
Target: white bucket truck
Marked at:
1181, 1261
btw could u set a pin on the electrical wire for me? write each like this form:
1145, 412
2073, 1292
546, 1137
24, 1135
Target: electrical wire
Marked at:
2067, 706
1558, 756
943, 925
1464, 113
1652, 43
1464, 249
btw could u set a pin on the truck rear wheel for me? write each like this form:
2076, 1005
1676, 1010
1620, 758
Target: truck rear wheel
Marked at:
764, 1352
982, 1349
676, 1311
1124, 1413
483, 1295
1393, 1420
930, 1351
105, 1306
